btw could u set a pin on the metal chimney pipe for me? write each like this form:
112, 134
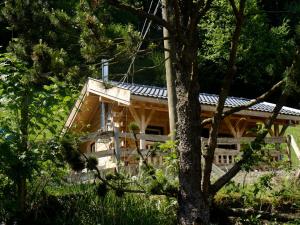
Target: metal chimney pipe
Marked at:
104, 63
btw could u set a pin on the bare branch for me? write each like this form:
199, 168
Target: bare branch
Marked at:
141, 13
216, 120
251, 103
256, 144
250, 150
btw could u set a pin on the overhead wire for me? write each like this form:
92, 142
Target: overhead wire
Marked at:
131, 65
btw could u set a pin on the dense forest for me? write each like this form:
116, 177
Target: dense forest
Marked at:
68, 26
48, 50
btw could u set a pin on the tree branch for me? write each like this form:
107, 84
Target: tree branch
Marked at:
216, 120
292, 71
255, 145
251, 103
141, 13
234, 8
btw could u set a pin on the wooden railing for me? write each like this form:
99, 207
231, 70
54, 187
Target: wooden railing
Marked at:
224, 157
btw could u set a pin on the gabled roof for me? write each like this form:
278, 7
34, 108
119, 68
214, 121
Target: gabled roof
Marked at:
204, 98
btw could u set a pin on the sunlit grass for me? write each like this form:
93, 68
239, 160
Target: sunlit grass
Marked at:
295, 131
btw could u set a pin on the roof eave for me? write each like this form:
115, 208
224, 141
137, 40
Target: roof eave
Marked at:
211, 108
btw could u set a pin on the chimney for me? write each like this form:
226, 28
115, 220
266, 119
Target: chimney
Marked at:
104, 63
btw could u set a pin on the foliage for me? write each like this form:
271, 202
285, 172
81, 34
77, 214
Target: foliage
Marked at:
269, 193
263, 55
40, 157
79, 204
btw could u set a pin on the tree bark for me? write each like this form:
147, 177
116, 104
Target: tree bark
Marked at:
193, 209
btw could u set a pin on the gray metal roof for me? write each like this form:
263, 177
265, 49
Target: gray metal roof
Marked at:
206, 99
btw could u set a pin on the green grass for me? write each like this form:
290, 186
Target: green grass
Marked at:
295, 131
80, 205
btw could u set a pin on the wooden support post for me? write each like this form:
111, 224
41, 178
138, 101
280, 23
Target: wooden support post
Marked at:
289, 149
170, 74
117, 145
142, 128
233, 131
276, 130
276, 134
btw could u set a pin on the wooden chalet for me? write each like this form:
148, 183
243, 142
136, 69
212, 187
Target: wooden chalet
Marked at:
104, 107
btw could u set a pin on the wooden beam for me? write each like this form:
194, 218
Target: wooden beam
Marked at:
93, 115
142, 128
230, 127
139, 105
283, 129
240, 129
135, 115
245, 140
276, 130
149, 117
243, 128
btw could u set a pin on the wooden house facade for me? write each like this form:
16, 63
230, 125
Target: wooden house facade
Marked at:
111, 107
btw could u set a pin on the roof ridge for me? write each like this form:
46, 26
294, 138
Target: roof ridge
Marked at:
164, 88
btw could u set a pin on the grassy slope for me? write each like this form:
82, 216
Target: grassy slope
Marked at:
295, 131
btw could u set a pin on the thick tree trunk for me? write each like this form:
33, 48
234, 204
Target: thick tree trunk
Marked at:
193, 208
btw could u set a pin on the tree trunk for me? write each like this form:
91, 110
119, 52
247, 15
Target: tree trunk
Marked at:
193, 208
